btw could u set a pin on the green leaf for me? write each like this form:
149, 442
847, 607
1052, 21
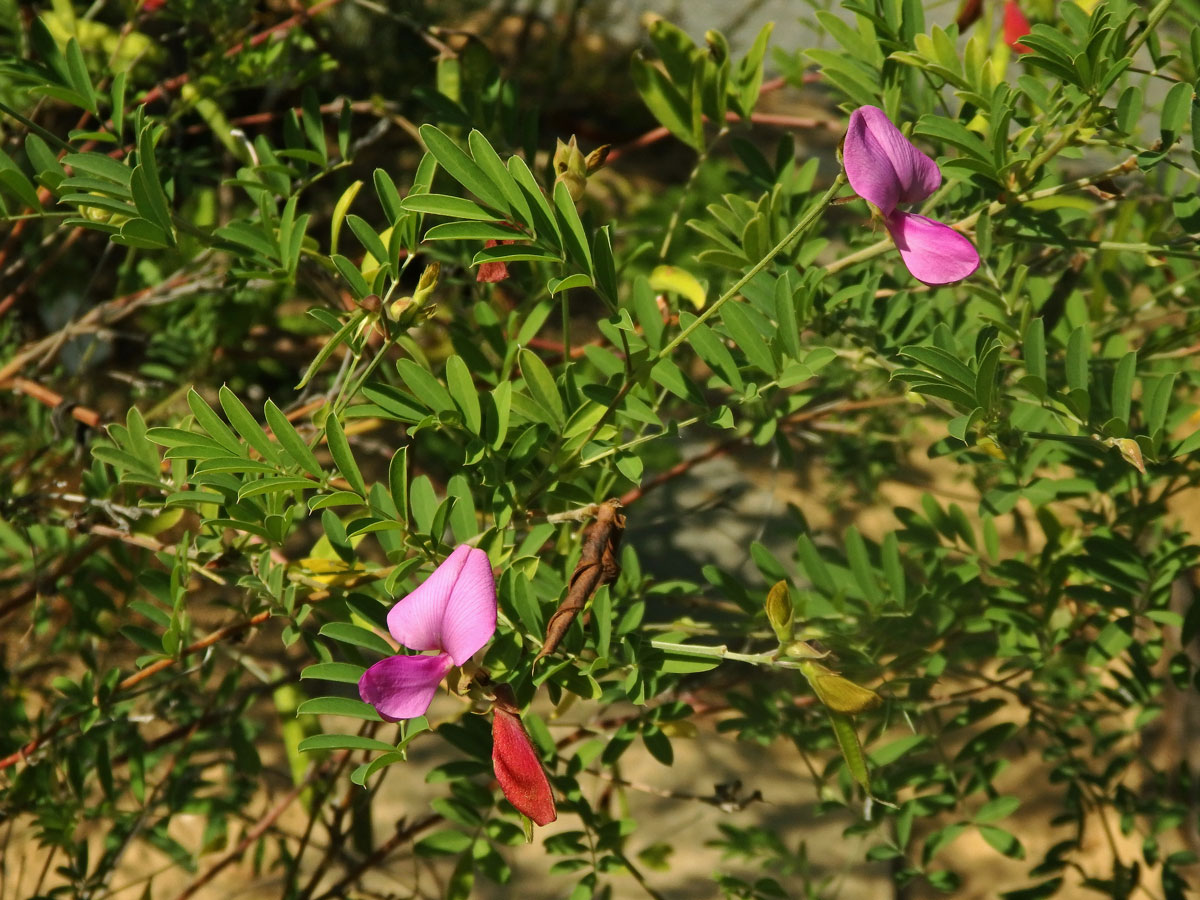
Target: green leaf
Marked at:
893, 569
342, 742
1156, 400
314, 128
473, 231
713, 351
814, 567
343, 458
493, 168
462, 168
558, 285
544, 224
1002, 841
338, 706
664, 101
423, 502
370, 241
424, 386
996, 809
541, 385
212, 424
144, 235
1122, 387
1034, 349
398, 482
247, 426
604, 266
852, 752
449, 206
574, 236
748, 337
1078, 350
15, 182
347, 633
345, 673
291, 442
389, 197
514, 253
276, 484
1175, 112
77, 72
749, 76
358, 285
461, 385
443, 843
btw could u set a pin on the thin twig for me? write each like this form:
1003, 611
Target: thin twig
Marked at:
260, 829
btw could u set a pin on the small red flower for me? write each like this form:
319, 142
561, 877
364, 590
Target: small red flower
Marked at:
491, 272
518, 768
1016, 26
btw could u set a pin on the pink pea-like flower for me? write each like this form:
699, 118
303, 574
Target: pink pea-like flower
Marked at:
885, 169
452, 612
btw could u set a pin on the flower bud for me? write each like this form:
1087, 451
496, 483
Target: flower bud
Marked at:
838, 693
570, 167
780, 612
406, 310
517, 766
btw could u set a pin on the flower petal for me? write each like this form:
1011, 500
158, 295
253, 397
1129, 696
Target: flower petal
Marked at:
519, 770
882, 165
402, 687
453, 610
1016, 26
933, 252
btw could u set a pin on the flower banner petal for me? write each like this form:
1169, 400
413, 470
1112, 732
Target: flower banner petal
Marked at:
519, 770
470, 617
933, 252
882, 165
402, 687
416, 621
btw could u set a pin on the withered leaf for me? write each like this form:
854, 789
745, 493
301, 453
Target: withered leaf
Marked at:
597, 566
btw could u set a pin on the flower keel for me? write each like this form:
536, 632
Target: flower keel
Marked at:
933, 252
402, 687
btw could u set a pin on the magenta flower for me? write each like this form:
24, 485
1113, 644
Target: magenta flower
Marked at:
452, 612
885, 169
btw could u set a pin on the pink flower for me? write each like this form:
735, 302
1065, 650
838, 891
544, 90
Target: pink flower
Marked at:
452, 612
1016, 26
518, 768
885, 169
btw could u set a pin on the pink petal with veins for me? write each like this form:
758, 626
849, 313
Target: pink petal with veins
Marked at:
453, 610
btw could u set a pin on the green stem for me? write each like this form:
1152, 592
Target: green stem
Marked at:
1152, 20
803, 225
678, 212
48, 136
770, 658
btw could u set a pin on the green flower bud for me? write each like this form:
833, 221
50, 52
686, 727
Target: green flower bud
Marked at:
780, 612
